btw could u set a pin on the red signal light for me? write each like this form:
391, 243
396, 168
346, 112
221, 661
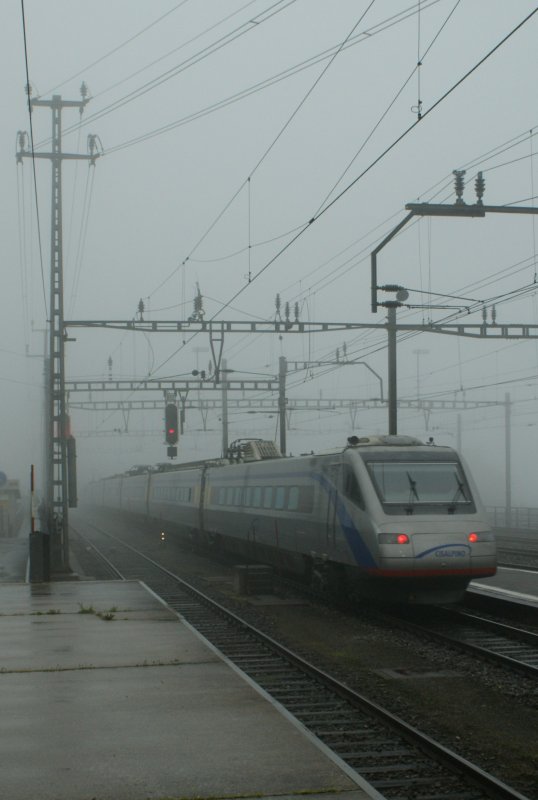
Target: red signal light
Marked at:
170, 418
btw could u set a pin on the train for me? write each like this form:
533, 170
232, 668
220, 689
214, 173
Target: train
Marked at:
385, 517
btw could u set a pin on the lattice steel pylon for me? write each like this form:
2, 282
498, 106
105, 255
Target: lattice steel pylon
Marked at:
57, 428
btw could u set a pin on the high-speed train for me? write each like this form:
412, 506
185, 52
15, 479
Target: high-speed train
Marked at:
385, 517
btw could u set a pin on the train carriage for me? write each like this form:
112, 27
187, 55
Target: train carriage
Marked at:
386, 517
174, 497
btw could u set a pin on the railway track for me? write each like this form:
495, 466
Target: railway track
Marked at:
517, 559
513, 647
396, 759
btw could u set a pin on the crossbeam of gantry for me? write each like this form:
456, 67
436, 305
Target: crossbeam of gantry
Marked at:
292, 404
483, 330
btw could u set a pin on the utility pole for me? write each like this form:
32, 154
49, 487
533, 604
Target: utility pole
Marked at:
282, 370
508, 459
392, 370
57, 491
224, 398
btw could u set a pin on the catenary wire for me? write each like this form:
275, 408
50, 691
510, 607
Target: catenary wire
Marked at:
304, 99
33, 156
118, 47
209, 50
364, 172
175, 49
283, 75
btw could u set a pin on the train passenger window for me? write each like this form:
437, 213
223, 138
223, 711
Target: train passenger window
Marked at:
351, 488
222, 496
237, 496
230, 496
280, 496
268, 497
293, 498
248, 496
257, 496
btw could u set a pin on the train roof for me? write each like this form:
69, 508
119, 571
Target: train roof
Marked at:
385, 440
374, 440
249, 450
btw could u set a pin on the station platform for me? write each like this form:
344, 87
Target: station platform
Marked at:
107, 695
516, 585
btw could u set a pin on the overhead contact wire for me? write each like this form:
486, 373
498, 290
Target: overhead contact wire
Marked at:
33, 156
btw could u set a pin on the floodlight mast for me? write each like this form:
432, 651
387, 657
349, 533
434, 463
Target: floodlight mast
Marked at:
457, 209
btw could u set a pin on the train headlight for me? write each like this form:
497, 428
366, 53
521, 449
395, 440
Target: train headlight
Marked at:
393, 538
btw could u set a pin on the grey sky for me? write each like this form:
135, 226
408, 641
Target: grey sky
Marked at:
152, 202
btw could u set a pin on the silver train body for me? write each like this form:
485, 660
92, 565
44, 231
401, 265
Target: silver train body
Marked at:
387, 517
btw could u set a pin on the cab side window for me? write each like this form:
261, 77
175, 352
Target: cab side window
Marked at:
352, 489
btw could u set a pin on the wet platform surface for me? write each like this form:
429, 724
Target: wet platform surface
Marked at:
105, 694
519, 585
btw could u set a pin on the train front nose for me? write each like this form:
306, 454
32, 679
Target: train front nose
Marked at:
423, 552
441, 553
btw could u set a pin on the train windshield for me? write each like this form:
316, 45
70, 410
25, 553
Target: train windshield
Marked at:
414, 484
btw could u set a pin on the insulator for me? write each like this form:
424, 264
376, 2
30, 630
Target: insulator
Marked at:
493, 314
459, 184
277, 303
479, 187
296, 312
484, 313
83, 90
22, 139
287, 310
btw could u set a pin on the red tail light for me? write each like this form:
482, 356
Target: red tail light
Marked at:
402, 538
473, 537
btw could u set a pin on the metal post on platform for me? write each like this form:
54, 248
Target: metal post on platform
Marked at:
39, 543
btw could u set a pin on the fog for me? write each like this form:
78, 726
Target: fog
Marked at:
192, 190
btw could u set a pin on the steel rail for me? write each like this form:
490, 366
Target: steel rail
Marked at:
356, 729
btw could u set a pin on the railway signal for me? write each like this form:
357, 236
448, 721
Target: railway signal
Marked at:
171, 424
